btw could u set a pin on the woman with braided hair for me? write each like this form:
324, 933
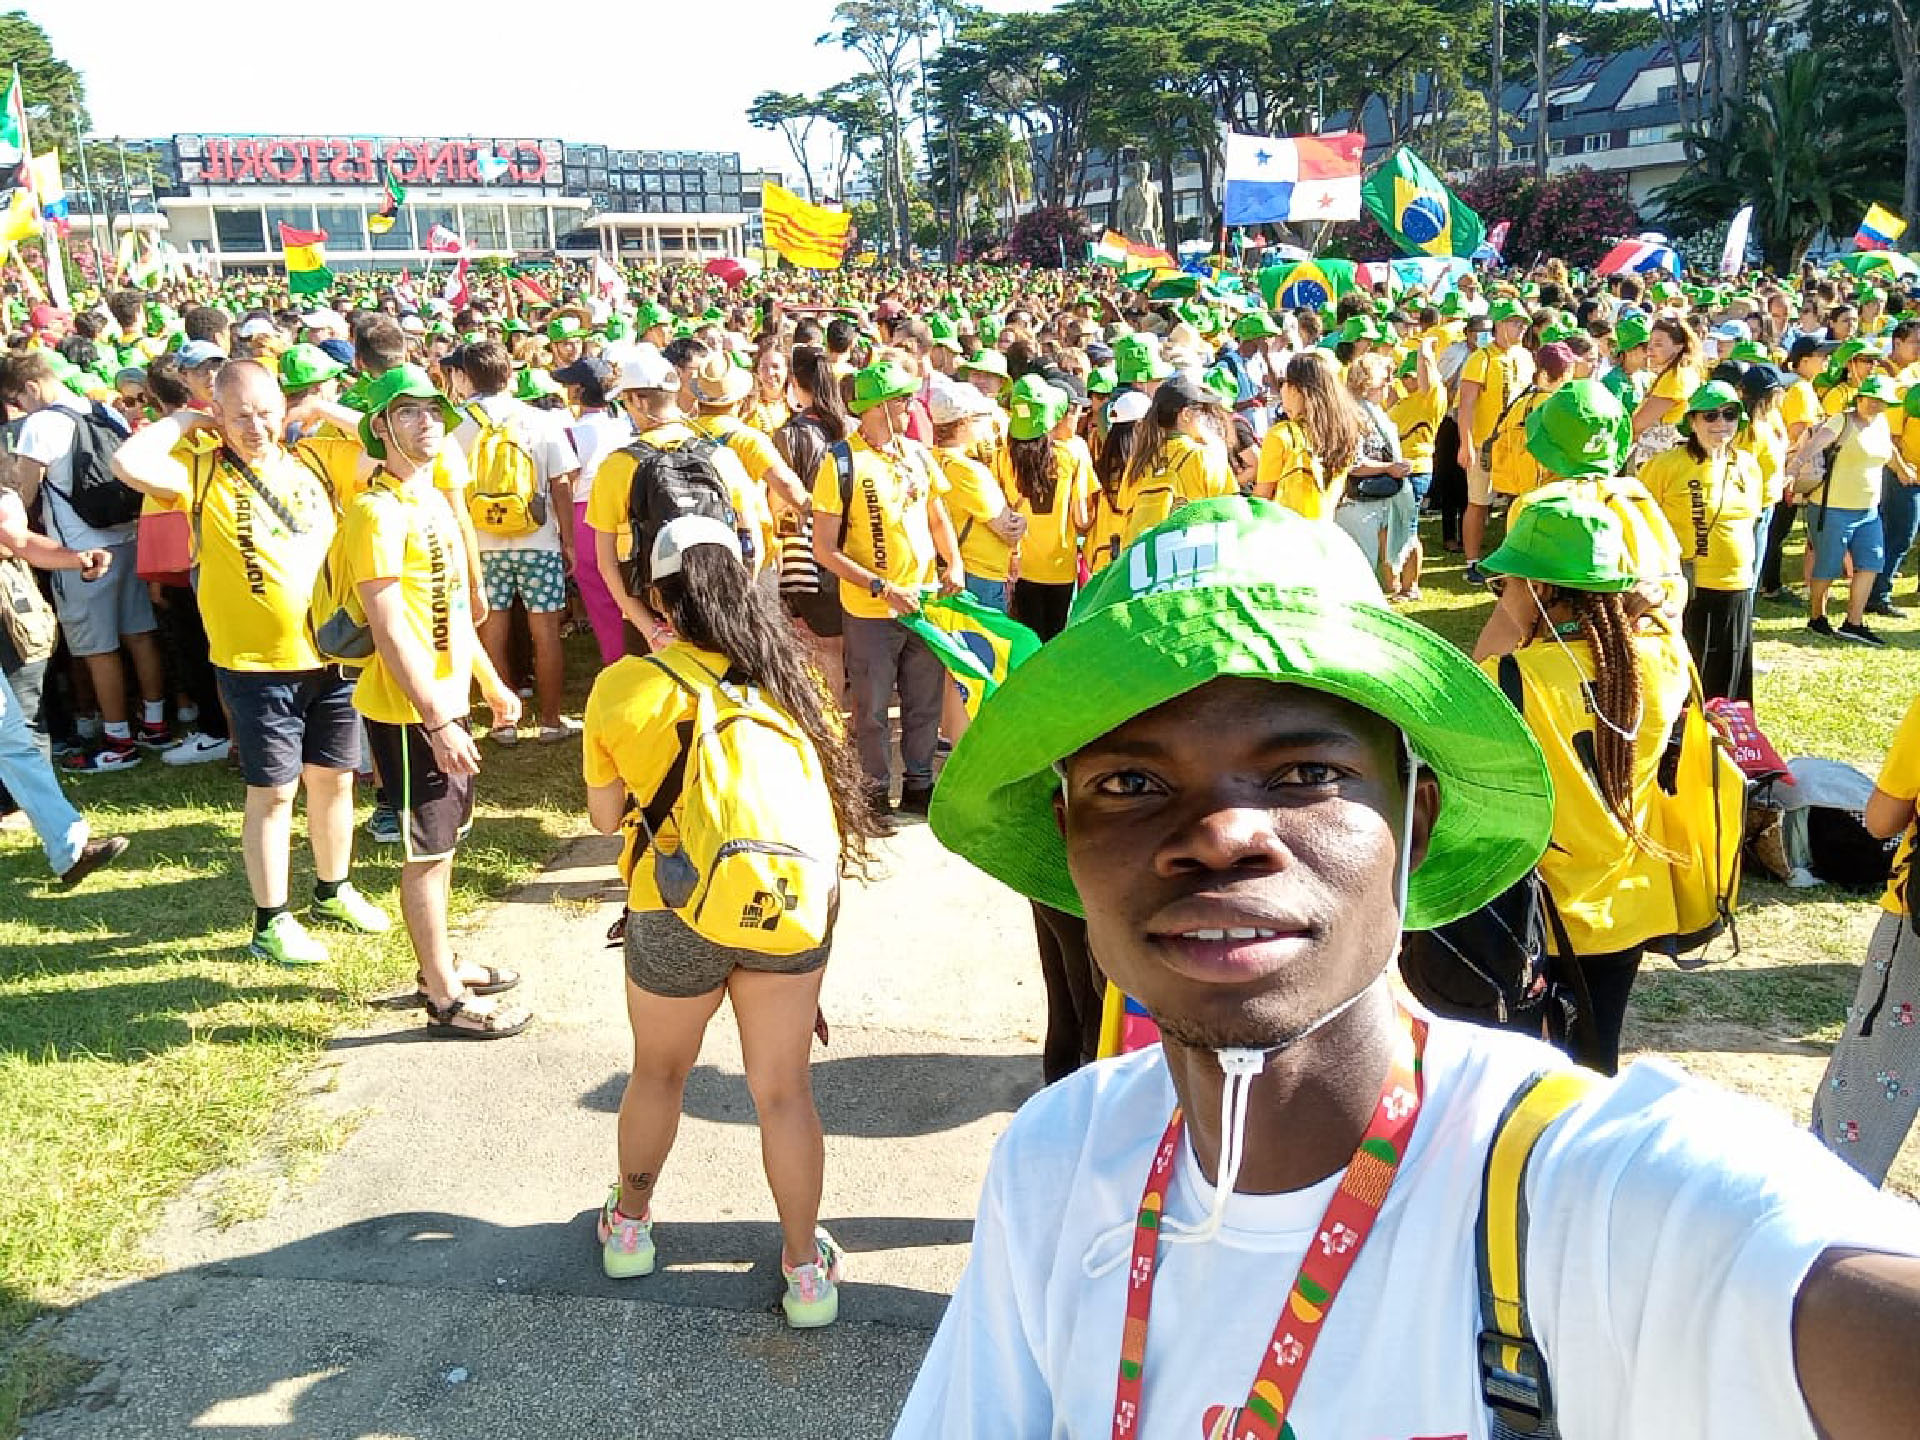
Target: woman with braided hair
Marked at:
1600, 678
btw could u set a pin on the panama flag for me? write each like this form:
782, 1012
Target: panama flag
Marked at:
1303, 177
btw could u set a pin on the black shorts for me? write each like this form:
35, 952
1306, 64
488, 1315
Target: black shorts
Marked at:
437, 808
666, 958
286, 719
818, 610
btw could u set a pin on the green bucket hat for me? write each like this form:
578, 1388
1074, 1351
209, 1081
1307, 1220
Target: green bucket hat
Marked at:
1878, 387
1035, 407
1580, 432
1566, 540
513, 325
1356, 328
1452, 307
985, 362
1507, 310
1221, 382
650, 315
888, 380
403, 382
616, 328
1245, 587
565, 327
531, 385
1136, 360
943, 332
1713, 395
1256, 325
302, 366
1750, 352
1102, 380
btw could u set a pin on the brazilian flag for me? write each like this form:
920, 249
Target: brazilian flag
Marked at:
1307, 285
1418, 211
977, 644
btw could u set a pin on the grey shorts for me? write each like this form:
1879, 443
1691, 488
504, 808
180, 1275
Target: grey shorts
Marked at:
94, 614
665, 958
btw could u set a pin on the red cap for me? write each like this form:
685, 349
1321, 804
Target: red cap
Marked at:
50, 318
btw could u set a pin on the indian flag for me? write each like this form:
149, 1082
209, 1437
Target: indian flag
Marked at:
306, 254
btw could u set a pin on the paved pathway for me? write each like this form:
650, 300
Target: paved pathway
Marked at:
439, 1280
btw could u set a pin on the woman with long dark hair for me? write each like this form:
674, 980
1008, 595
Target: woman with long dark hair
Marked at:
1600, 680
1678, 366
730, 633
1107, 522
1178, 455
1048, 477
1305, 457
817, 419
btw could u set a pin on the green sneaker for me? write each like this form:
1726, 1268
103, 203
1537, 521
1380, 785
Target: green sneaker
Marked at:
351, 909
285, 941
626, 1244
813, 1291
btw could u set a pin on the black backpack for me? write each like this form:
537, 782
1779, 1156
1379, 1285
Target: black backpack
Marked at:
94, 493
666, 485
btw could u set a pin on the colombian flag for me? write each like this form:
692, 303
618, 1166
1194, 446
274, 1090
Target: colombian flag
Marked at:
1879, 230
1309, 285
306, 255
810, 236
977, 644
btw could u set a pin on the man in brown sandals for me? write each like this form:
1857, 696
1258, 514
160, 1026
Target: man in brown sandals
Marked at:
402, 553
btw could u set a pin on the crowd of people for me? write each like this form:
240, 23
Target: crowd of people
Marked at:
296, 540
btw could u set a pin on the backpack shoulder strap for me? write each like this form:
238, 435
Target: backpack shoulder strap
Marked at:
1513, 1371
674, 783
1511, 684
842, 454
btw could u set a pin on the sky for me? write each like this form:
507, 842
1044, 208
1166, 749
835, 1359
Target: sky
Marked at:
651, 75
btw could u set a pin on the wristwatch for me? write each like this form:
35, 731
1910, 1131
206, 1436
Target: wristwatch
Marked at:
876, 587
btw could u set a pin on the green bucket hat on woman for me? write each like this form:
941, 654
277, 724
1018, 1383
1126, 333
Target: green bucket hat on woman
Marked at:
1714, 395
1136, 359
1878, 387
1580, 432
403, 382
1566, 540
1240, 587
1035, 407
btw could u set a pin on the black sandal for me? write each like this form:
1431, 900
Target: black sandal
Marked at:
441, 1026
498, 982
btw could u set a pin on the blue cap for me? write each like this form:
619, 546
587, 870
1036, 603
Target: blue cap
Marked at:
196, 353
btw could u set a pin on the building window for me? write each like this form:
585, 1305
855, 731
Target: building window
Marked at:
342, 224
300, 217
425, 217
1556, 147
486, 226
528, 227
1653, 134
1521, 152
1666, 95
1595, 143
400, 237
239, 230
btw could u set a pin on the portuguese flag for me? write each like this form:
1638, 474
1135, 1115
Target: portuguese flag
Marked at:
306, 251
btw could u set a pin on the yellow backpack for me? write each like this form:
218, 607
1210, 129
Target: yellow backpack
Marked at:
506, 497
336, 618
1511, 467
756, 865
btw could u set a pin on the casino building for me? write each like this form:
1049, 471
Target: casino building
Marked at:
222, 199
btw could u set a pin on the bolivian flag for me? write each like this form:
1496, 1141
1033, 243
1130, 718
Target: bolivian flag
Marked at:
306, 254
977, 644
810, 236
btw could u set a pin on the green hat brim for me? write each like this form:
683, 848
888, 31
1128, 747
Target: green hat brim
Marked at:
994, 803
376, 447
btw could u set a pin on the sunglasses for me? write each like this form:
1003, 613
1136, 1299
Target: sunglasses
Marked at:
1726, 415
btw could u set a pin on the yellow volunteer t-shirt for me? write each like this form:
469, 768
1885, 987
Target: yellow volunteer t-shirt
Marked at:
1765, 438
629, 735
1292, 474
1900, 778
1721, 497
1417, 414
1049, 551
1188, 471
1838, 399
1107, 533
767, 416
256, 570
1800, 405
755, 449
887, 531
1611, 893
607, 506
1501, 375
407, 533
1514, 470
974, 498
1674, 385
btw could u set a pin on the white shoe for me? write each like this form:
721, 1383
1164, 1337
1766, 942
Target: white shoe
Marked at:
197, 749
504, 735
565, 730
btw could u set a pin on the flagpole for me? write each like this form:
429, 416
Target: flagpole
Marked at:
49, 229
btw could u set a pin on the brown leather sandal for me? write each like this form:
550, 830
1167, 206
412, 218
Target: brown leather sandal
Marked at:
492, 1025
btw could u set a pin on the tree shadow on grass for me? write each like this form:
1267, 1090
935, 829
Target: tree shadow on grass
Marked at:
1763, 1008
130, 1020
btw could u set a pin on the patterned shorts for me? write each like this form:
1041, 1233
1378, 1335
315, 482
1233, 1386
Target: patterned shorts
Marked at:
538, 577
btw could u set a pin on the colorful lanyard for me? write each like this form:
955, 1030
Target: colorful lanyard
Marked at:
1342, 1232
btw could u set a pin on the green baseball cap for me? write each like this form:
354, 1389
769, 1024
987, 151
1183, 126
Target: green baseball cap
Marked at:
887, 380
1136, 359
1035, 407
403, 382
1245, 587
1581, 431
530, 385
1567, 540
302, 366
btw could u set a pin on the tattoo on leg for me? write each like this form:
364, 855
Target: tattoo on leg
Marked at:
640, 1180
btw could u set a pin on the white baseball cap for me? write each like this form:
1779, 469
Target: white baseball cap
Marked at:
324, 319
1128, 407
259, 325
950, 404
680, 535
641, 367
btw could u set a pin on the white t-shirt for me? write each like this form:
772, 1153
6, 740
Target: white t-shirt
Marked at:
1671, 1226
545, 439
596, 435
47, 436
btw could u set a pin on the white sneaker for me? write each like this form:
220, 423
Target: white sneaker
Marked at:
504, 735
565, 730
197, 749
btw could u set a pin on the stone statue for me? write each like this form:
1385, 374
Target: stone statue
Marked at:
1136, 205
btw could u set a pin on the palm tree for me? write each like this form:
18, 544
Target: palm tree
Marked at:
1801, 151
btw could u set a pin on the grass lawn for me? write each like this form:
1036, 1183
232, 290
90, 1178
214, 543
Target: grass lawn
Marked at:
140, 1050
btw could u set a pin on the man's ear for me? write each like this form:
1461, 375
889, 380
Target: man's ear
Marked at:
1426, 810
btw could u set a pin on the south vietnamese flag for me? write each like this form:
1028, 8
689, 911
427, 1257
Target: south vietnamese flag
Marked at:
1288, 178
